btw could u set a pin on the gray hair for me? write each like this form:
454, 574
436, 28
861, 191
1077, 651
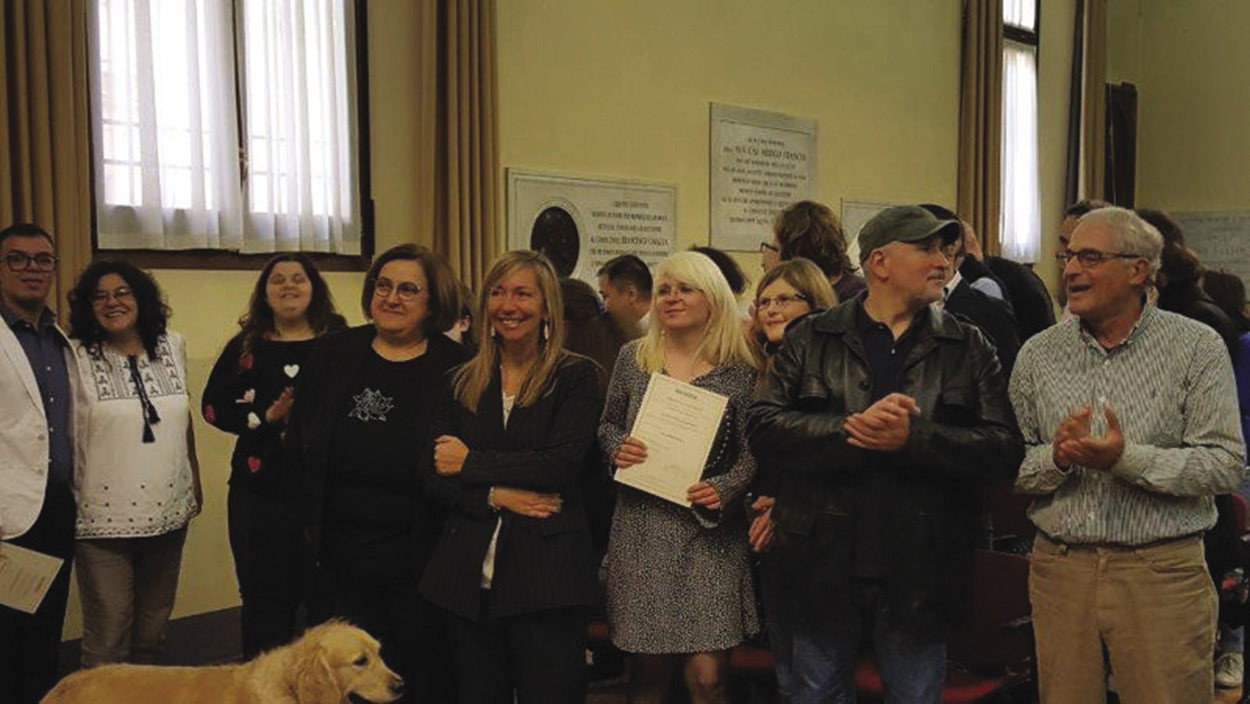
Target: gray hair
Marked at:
1131, 234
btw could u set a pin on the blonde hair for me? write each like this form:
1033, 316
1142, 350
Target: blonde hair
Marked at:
472, 378
723, 341
807, 279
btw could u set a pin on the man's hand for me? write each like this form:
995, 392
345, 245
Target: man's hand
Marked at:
1073, 428
885, 425
1097, 453
761, 534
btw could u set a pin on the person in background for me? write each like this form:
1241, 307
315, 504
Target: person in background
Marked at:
364, 406
592, 331
680, 591
463, 331
1129, 415
249, 394
888, 417
811, 230
37, 512
962, 297
786, 293
514, 442
1229, 293
139, 482
734, 276
625, 285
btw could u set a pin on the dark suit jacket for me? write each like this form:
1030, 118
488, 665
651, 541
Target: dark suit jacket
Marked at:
323, 391
548, 446
1031, 301
992, 316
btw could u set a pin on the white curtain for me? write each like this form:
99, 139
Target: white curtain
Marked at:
170, 174
166, 154
1020, 13
1020, 220
300, 68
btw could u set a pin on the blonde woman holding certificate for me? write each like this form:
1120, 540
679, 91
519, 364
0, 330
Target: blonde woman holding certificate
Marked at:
679, 588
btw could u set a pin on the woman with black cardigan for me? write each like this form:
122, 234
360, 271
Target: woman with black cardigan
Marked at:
514, 566
361, 417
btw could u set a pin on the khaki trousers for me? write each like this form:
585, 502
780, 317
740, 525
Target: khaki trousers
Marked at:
127, 586
1150, 610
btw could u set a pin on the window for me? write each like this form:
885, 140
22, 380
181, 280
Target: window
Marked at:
226, 124
1020, 218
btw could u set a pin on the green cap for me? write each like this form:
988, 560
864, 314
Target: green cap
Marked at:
904, 223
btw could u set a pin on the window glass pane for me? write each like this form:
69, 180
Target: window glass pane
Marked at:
1020, 13
1020, 219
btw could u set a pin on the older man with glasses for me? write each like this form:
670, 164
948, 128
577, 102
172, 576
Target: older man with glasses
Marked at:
37, 509
1130, 418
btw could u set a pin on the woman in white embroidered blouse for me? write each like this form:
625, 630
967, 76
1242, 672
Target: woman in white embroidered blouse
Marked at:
137, 478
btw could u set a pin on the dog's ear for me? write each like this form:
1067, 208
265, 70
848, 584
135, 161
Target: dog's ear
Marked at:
314, 681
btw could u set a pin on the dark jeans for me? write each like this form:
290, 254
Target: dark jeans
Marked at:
264, 539
541, 657
823, 666
380, 596
30, 643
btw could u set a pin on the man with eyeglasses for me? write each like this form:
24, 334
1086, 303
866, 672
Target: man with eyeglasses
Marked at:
1130, 419
886, 418
37, 510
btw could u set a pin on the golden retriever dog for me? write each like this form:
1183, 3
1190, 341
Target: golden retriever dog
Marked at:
334, 663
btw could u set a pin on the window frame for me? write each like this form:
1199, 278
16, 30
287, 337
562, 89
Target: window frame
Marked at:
233, 260
1029, 38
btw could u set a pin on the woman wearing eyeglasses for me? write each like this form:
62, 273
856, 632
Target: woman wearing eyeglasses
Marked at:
789, 290
680, 591
362, 411
249, 394
138, 483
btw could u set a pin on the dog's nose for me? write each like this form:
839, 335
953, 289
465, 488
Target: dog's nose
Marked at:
397, 687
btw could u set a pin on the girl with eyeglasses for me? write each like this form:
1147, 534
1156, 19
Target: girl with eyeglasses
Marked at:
790, 290
249, 394
362, 413
138, 481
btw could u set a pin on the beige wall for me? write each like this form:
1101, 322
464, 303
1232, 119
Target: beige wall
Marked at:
1193, 107
622, 90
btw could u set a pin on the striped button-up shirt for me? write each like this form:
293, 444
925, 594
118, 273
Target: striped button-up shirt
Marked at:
1171, 386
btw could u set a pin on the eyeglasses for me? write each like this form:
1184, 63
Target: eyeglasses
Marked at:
406, 291
769, 247
1090, 258
21, 261
782, 301
120, 293
683, 290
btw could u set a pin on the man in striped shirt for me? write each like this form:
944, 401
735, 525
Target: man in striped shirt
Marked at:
1130, 417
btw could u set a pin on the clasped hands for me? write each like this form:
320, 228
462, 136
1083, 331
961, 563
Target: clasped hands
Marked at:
634, 451
1073, 443
449, 455
885, 425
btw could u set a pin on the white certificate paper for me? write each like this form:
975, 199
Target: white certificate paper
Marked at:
678, 423
25, 576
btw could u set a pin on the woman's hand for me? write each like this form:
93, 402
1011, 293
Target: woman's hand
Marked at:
280, 409
631, 452
704, 494
524, 502
449, 454
761, 533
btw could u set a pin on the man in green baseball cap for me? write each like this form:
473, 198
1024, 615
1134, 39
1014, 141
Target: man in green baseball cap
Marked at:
884, 418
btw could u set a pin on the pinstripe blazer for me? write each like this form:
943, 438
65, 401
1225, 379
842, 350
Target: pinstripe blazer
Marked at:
548, 446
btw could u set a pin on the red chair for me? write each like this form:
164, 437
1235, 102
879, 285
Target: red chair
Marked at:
993, 653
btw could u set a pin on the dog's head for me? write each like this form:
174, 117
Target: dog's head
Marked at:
338, 663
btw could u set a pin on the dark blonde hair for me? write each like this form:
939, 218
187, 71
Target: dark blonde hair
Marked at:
807, 279
472, 378
810, 230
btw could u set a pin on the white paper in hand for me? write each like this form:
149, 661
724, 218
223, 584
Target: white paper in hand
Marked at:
25, 576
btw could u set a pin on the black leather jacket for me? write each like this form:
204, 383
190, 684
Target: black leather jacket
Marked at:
964, 437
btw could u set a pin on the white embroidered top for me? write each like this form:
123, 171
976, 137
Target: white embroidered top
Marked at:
128, 488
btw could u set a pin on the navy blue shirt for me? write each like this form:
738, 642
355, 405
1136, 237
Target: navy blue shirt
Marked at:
45, 349
887, 358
